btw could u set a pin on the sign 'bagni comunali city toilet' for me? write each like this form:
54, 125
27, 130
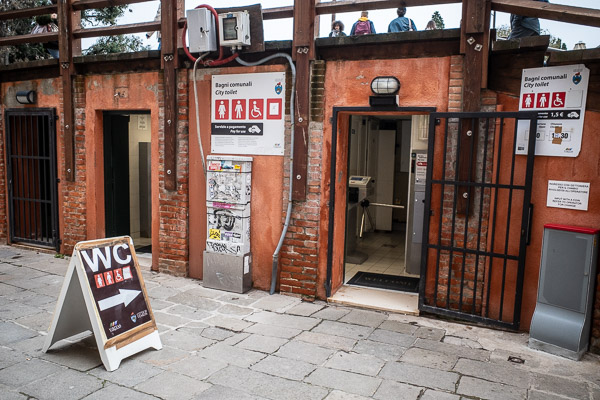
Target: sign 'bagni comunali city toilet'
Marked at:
104, 283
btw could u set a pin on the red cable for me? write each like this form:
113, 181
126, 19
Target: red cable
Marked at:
218, 61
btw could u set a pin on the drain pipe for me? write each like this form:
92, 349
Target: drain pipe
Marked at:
292, 120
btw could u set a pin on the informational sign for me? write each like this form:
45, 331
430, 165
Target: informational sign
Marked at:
248, 113
559, 95
104, 292
571, 195
421, 168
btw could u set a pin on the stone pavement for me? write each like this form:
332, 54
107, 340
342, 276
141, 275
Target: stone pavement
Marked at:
219, 345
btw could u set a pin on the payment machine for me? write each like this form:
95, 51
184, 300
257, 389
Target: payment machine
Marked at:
417, 210
359, 189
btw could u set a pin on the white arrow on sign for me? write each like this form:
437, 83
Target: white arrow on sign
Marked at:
125, 296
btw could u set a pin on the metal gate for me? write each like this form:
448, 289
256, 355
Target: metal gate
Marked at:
478, 193
32, 180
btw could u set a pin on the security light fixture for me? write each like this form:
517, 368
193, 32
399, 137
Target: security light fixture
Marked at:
385, 85
26, 97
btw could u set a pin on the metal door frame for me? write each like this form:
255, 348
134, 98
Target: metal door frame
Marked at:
493, 187
47, 127
371, 111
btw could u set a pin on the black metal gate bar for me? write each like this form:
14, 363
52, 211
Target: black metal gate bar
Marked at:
473, 289
32, 177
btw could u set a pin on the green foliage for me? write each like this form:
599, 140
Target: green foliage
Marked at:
59, 255
103, 17
115, 44
439, 21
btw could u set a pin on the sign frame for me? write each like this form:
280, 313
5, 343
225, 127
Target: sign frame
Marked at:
77, 298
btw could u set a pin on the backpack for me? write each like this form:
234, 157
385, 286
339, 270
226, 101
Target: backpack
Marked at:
362, 28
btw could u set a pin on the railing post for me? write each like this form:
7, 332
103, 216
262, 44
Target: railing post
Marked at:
169, 65
65, 45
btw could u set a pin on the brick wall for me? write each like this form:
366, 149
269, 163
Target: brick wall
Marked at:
173, 205
299, 254
73, 194
3, 187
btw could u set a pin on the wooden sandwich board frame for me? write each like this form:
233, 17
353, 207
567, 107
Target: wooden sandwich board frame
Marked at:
94, 287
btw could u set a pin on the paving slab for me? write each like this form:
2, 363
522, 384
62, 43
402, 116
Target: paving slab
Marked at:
505, 374
305, 309
336, 328
170, 320
236, 299
263, 344
359, 363
397, 326
364, 317
340, 395
39, 322
346, 381
25, 372
184, 340
233, 324
435, 395
425, 332
539, 395
284, 367
332, 313
196, 367
274, 331
14, 310
264, 385
218, 392
390, 390
10, 332
231, 309
303, 351
65, 385
232, 355
489, 390
216, 333
276, 302
111, 391
387, 352
390, 337
284, 320
161, 358
325, 340
75, 356
131, 372
8, 394
171, 386
191, 313
420, 376
452, 349
562, 386
236, 338
428, 358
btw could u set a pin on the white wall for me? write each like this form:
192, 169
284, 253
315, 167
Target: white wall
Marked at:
139, 131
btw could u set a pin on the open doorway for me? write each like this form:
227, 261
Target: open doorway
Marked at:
386, 187
127, 177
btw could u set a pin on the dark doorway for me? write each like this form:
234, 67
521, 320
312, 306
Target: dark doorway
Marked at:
32, 177
116, 175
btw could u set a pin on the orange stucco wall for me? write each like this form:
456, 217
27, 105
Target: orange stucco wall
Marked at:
424, 83
136, 91
583, 168
267, 187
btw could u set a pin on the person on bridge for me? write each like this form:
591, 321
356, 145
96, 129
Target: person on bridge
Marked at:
524, 26
402, 23
363, 26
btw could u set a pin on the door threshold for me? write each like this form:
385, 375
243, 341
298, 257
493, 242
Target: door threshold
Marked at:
377, 299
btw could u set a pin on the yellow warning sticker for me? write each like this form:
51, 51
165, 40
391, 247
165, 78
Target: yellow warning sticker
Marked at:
214, 234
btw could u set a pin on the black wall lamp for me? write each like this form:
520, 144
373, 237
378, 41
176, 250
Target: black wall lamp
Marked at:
385, 89
26, 97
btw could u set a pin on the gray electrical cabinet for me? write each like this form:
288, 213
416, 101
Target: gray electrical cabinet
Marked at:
561, 322
416, 200
227, 261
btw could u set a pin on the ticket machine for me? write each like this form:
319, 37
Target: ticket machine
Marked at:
359, 189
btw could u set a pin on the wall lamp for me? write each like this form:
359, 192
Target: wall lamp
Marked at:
26, 97
385, 89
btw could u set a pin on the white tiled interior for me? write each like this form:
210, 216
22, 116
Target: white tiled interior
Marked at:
385, 251
139, 131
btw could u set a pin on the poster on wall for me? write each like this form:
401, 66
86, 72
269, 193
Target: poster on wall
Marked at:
559, 95
569, 195
247, 113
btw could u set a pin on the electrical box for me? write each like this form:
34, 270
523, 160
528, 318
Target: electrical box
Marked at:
561, 323
234, 29
201, 30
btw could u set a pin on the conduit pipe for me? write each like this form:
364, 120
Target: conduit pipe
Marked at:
293, 124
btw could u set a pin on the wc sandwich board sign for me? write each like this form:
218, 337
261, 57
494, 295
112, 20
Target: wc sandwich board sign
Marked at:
104, 292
